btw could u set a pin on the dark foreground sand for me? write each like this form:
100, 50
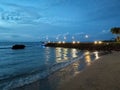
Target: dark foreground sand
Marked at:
103, 74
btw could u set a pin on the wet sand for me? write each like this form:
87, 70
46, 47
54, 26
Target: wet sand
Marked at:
103, 74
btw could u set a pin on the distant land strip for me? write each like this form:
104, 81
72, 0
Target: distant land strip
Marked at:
87, 46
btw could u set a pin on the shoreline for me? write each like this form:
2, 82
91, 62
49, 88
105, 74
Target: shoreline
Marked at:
58, 77
103, 74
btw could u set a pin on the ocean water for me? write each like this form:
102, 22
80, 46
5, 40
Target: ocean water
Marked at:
20, 67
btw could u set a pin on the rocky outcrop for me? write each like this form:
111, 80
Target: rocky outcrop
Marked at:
18, 46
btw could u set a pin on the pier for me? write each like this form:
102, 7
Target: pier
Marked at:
87, 45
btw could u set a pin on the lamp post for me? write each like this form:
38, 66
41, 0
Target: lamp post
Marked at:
86, 37
46, 38
64, 39
57, 39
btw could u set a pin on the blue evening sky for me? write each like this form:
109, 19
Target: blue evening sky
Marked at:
35, 20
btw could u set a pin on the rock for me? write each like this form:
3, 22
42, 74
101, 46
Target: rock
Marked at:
18, 47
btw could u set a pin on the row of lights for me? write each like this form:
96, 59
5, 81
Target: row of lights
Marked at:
98, 42
72, 42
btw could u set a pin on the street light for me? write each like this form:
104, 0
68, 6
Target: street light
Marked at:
100, 42
95, 42
59, 42
73, 42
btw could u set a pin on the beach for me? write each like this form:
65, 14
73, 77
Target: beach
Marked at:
59, 45
103, 74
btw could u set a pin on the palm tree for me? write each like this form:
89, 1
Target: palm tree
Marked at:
116, 30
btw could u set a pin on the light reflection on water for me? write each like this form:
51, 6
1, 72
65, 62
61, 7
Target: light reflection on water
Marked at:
74, 53
96, 55
58, 54
88, 58
63, 54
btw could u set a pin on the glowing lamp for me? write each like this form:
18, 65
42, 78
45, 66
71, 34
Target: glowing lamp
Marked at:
73, 42
59, 42
95, 42
100, 42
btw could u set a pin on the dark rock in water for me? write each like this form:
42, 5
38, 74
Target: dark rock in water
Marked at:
18, 47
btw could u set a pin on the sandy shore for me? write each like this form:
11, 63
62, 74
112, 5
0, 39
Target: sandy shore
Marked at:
103, 74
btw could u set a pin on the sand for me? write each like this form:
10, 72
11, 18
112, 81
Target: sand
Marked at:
103, 74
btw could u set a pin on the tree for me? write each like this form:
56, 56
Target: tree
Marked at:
116, 30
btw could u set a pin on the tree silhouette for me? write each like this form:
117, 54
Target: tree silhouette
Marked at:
116, 30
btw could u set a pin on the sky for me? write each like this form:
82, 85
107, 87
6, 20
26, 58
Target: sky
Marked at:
36, 20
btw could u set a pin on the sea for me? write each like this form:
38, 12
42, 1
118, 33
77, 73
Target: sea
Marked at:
35, 62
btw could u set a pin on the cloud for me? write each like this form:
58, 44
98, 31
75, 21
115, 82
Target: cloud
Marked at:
20, 18
43, 12
19, 14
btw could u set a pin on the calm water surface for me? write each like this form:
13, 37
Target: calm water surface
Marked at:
20, 67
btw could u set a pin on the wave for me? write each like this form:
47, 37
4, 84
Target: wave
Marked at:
21, 80
5, 47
